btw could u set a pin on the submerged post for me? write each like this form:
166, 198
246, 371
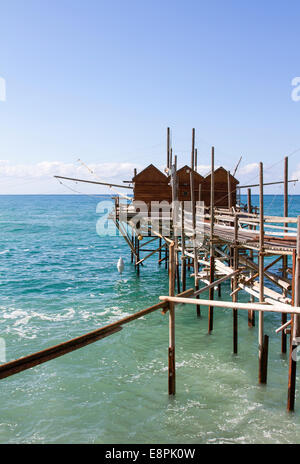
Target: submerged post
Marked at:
234, 296
295, 330
183, 259
251, 313
137, 256
212, 261
193, 206
284, 257
262, 342
171, 370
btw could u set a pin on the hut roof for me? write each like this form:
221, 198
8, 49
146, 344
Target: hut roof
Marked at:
186, 168
151, 173
222, 170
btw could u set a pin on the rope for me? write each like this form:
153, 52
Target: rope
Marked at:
100, 180
77, 191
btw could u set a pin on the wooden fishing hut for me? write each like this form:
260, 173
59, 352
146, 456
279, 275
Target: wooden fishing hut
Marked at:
151, 185
183, 177
225, 189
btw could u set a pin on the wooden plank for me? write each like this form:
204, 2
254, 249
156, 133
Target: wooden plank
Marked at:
269, 308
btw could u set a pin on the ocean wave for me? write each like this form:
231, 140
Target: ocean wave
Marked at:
4, 252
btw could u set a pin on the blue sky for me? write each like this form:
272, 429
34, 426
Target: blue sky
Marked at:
101, 81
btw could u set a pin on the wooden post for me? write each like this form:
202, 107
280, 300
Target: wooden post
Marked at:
284, 257
229, 190
159, 252
295, 333
183, 258
235, 296
212, 260
193, 206
168, 148
196, 159
211, 294
193, 150
175, 216
172, 369
132, 241
262, 376
166, 257
265, 358
137, 257
177, 272
172, 264
251, 314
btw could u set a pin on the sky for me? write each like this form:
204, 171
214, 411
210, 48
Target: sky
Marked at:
101, 81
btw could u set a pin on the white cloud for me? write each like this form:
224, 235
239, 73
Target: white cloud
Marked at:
248, 169
46, 169
296, 174
203, 169
39, 178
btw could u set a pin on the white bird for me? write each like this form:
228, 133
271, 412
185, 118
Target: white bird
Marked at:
120, 265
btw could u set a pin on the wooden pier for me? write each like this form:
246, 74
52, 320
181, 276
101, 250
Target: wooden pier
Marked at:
203, 231
237, 242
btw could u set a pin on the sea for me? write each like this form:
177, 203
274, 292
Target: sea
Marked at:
59, 280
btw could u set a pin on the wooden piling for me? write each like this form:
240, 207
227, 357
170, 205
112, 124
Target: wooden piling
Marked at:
211, 260
166, 258
193, 206
262, 376
265, 354
168, 148
137, 256
284, 257
251, 314
171, 353
132, 243
229, 190
193, 150
183, 258
235, 295
159, 252
295, 330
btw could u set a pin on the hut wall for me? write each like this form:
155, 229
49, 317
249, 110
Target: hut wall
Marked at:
221, 189
151, 185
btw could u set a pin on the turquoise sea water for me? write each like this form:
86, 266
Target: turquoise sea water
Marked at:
58, 280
